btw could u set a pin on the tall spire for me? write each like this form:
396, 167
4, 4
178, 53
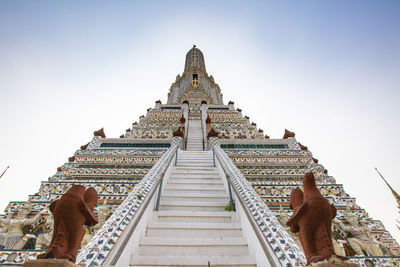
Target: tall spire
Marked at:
195, 85
396, 196
195, 61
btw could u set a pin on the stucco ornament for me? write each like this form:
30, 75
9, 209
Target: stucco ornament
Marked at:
312, 219
361, 239
73, 210
43, 240
12, 236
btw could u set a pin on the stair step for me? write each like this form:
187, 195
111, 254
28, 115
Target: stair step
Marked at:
206, 161
195, 187
192, 227
196, 181
193, 205
178, 192
194, 261
155, 246
193, 216
195, 171
190, 230
190, 164
197, 168
199, 198
189, 153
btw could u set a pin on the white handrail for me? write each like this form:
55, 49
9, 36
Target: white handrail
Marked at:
272, 232
97, 250
203, 125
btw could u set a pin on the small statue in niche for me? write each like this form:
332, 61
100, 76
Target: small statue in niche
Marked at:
311, 219
13, 236
338, 241
73, 210
362, 239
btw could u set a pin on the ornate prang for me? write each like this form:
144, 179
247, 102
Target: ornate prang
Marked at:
288, 134
120, 172
100, 133
73, 210
312, 218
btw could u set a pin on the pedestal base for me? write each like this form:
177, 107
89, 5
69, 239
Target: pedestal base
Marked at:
334, 262
49, 263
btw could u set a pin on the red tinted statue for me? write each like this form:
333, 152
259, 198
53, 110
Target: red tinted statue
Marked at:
73, 210
311, 219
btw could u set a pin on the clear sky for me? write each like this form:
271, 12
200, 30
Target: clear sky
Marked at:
327, 70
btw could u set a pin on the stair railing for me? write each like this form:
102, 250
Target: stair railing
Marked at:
185, 136
203, 125
275, 241
108, 244
202, 130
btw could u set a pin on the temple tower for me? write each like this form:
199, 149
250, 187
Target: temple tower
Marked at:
192, 182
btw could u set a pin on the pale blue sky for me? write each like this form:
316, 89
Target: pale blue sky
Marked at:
328, 70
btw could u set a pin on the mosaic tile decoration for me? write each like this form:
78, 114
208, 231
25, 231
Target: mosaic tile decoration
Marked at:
377, 261
280, 241
18, 257
97, 250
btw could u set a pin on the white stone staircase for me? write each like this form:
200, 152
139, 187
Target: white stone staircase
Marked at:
192, 227
195, 136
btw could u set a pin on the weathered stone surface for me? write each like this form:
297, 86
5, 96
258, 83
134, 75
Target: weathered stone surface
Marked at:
49, 263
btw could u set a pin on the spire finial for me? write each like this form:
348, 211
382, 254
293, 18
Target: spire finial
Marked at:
397, 197
4, 171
